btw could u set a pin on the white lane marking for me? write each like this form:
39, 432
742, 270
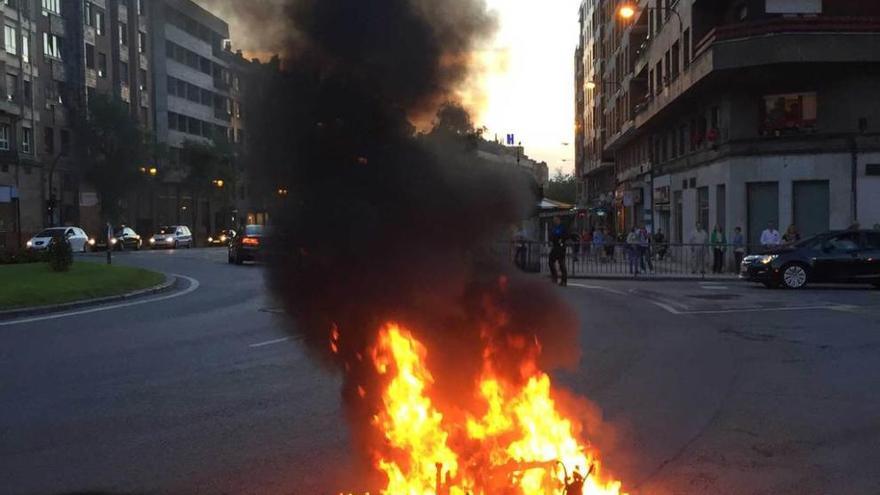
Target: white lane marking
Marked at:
193, 285
667, 307
269, 342
752, 310
598, 287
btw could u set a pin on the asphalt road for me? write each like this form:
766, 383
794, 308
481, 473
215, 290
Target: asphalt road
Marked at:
721, 388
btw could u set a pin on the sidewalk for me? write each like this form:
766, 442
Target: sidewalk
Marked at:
656, 276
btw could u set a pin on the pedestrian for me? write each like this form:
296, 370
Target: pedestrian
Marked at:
520, 239
698, 243
632, 251
586, 242
791, 235
719, 245
660, 244
558, 237
770, 237
645, 250
739, 247
599, 244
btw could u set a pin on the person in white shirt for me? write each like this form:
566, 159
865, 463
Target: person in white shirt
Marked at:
770, 237
698, 241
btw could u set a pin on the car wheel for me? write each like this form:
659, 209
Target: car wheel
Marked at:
794, 276
174, 245
137, 247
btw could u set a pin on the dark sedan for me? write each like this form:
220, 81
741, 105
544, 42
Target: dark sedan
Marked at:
222, 238
123, 238
246, 246
834, 257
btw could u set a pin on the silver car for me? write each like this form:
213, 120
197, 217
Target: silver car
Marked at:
172, 236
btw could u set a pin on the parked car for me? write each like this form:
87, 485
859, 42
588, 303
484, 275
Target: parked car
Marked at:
247, 246
123, 238
222, 238
76, 236
173, 236
838, 257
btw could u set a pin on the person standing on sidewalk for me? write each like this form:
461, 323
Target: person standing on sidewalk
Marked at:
698, 243
770, 238
739, 247
719, 244
633, 242
791, 235
645, 250
558, 237
660, 244
599, 244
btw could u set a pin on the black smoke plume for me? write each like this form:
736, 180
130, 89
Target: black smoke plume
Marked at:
382, 222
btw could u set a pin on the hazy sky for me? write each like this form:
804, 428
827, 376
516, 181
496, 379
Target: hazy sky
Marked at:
526, 86
534, 96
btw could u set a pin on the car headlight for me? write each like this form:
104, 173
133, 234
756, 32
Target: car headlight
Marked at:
222, 238
152, 241
210, 239
169, 239
91, 242
113, 241
767, 258
29, 243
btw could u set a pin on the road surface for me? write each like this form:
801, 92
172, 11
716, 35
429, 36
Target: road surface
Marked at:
721, 388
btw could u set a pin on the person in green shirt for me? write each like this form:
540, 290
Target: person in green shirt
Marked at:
718, 241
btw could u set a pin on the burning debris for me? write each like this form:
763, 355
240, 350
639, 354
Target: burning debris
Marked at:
382, 224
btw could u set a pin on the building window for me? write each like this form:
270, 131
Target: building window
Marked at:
99, 23
140, 7
27, 139
123, 34
90, 56
49, 139
788, 113
52, 45
26, 48
11, 86
28, 91
142, 79
123, 72
65, 141
53, 6
686, 51
88, 14
4, 137
102, 65
142, 42
703, 206
676, 59
10, 39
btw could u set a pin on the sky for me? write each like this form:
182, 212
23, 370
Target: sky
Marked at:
526, 82
532, 94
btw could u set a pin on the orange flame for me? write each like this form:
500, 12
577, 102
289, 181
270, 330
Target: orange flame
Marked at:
520, 443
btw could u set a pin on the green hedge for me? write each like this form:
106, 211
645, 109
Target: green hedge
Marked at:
19, 256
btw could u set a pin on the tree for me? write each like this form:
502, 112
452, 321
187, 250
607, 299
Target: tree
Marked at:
562, 187
112, 151
206, 164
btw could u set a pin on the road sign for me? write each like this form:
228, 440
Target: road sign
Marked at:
510, 140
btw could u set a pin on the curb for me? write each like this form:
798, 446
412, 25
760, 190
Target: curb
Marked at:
655, 278
12, 314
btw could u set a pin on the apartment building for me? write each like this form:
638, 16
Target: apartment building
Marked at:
742, 112
198, 93
56, 55
593, 164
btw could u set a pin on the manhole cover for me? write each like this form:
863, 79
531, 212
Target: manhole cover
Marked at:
715, 297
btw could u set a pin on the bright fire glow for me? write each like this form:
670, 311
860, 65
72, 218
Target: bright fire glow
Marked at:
515, 439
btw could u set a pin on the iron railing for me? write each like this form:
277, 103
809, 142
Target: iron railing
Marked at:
621, 259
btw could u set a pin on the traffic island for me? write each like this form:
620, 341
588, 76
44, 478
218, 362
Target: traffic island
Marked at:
36, 286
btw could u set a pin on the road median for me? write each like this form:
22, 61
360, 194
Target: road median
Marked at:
34, 289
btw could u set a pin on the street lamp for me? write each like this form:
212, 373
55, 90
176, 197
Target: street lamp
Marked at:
218, 183
282, 191
628, 11
153, 171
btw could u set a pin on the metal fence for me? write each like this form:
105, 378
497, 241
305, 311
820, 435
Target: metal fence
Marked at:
620, 259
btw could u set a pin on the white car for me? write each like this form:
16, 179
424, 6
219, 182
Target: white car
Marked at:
172, 236
74, 235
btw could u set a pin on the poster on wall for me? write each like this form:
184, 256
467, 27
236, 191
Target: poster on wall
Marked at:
794, 6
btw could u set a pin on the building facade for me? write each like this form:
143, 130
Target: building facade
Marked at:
169, 61
738, 113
